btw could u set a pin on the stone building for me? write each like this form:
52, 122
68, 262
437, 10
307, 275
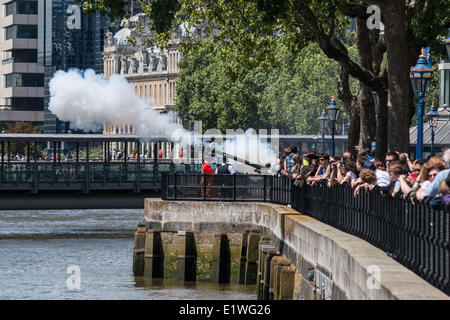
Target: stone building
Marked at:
151, 71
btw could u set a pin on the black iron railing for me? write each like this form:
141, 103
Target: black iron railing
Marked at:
218, 187
417, 235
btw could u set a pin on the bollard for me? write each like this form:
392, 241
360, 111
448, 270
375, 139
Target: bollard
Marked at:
153, 255
138, 251
241, 278
273, 279
271, 253
263, 244
221, 259
187, 257
251, 265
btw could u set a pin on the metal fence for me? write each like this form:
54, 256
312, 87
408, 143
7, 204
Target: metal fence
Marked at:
223, 187
415, 234
86, 176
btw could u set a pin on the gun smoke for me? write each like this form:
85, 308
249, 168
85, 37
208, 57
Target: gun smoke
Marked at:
87, 101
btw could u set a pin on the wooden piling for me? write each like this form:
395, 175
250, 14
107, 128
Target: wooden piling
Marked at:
221, 259
187, 257
138, 251
264, 243
153, 255
251, 265
243, 260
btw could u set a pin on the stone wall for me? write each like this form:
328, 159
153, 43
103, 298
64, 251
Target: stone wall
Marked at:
329, 264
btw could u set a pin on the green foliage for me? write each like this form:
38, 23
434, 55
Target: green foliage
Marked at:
299, 90
290, 96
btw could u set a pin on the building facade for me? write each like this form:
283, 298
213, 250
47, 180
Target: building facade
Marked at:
67, 38
151, 71
21, 77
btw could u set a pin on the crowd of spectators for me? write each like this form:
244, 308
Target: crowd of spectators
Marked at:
395, 176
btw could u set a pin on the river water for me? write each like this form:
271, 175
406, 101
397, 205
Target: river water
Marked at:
42, 250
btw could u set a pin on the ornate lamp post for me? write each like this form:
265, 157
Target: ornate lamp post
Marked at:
333, 113
420, 79
434, 116
323, 122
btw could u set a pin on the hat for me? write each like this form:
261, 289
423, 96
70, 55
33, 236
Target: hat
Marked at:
369, 165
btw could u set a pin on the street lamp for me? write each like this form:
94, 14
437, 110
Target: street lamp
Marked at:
333, 113
434, 115
323, 122
420, 79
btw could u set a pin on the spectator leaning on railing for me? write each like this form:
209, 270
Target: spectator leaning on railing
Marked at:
367, 180
323, 171
444, 189
433, 189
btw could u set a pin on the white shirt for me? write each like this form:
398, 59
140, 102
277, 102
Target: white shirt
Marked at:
382, 178
351, 174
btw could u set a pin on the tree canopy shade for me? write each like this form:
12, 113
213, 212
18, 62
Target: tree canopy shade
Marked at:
252, 26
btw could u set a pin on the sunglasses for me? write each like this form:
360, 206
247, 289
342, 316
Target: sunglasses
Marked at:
432, 175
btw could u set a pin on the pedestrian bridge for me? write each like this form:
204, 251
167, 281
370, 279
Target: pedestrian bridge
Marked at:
65, 162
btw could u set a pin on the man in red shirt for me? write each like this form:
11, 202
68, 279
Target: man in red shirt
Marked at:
206, 169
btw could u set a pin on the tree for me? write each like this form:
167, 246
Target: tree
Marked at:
253, 25
206, 87
289, 96
19, 127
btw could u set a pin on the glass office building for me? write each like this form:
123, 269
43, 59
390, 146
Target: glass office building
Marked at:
68, 38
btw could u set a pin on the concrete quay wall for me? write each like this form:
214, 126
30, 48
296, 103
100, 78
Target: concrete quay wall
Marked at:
329, 264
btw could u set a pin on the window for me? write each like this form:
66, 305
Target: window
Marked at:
21, 31
21, 7
27, 104
24, 80
22, 55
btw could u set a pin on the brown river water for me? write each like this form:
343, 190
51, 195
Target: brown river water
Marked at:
40, 249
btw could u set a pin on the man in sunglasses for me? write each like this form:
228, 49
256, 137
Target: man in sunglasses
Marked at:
391, 156
324, 170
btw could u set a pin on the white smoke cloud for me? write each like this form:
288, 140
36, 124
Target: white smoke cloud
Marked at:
88, 100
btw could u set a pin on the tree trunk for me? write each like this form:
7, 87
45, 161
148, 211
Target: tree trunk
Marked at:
351, 106
366, 104
382, 126
396, 39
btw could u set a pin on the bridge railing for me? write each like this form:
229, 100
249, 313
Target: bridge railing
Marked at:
85, 176
417, 235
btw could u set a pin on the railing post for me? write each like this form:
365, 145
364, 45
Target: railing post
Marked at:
35, 170
234, 187
204, 187
155, 164
3, 161
175, 186
265, 187
86, 170
138, 168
